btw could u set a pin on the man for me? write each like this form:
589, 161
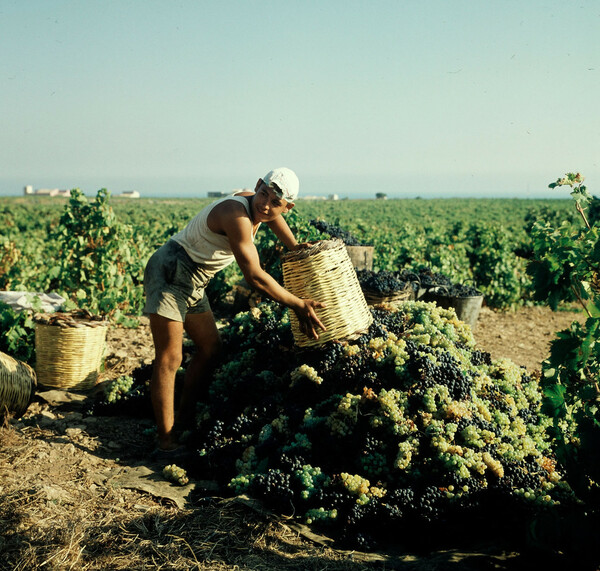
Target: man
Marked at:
176, 277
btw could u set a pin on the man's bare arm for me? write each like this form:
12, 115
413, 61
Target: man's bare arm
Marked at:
238, 230
280, 228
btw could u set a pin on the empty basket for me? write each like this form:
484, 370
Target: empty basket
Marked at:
17, 386
69, 350
323, 272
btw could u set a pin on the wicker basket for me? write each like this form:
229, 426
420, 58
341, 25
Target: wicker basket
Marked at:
324, 272
373, 298
69, 350
361, 257
17, 386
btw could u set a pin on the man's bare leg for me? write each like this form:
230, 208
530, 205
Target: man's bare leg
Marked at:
168, 340
202, 330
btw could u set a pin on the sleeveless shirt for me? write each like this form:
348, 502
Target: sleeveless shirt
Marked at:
205, 247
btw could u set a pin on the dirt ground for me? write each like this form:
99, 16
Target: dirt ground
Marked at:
79, 491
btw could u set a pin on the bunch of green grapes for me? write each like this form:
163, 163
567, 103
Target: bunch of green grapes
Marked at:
175, 474
118, 388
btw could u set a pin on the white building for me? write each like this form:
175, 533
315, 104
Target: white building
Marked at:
28, 191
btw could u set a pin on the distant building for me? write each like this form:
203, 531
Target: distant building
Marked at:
129, 194
28, 191
219, 194
333, 197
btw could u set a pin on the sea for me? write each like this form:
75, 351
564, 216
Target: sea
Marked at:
311, 186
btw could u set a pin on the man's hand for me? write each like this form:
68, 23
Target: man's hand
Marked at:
307, 318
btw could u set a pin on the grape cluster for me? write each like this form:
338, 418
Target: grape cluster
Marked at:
276, 486
381, 282
336, 232
125, 395
429, 279
440, 284
462, 290
175, 474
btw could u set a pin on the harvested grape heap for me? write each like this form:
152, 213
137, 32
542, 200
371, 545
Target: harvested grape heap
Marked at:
382, 281
336, 232
405, 425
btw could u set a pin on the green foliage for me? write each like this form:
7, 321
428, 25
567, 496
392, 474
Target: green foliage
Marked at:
95, 268
17, 333
566, 265
471, 241
498, 273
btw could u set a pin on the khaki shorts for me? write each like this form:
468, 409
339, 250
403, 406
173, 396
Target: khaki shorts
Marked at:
174, 284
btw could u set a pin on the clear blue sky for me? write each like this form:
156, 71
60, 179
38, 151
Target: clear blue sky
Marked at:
428, 98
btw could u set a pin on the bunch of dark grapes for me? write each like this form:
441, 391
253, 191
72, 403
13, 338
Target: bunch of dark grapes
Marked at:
376, 329
290, 462
324, 357
429, 279
272, 335
353, 370
445, 372
480, 358
382, 282
427, 503
496, 398
391, 321
334, 497
336, 232
249, 421
450, 374
526, 474
443, 285
529, 415
462, 290
275, 488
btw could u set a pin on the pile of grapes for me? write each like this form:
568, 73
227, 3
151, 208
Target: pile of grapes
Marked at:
384, 282
336, 232
405, 427
423, 283
432, 282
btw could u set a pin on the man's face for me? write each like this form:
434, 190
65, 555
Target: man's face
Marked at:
267, 205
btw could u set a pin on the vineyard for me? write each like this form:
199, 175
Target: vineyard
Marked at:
407, 430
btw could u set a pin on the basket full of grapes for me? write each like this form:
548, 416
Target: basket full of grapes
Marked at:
466, 300
384, 287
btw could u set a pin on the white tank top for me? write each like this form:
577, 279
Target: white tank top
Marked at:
206, 247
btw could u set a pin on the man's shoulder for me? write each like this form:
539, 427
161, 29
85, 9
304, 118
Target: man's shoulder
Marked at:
229, 210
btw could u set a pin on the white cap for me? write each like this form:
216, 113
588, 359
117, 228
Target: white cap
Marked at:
284, 183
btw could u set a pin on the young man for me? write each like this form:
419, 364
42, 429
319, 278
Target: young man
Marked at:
176, 276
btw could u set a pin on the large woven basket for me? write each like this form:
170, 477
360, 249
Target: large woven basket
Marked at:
323, 272
69, 350
17, 386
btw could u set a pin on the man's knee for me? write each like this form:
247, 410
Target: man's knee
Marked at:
211, 350
168, 361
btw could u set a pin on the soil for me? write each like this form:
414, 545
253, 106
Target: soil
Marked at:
81, 492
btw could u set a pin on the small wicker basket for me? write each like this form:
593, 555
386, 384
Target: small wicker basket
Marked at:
17, 386
69, 350
323, 272
374, 298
